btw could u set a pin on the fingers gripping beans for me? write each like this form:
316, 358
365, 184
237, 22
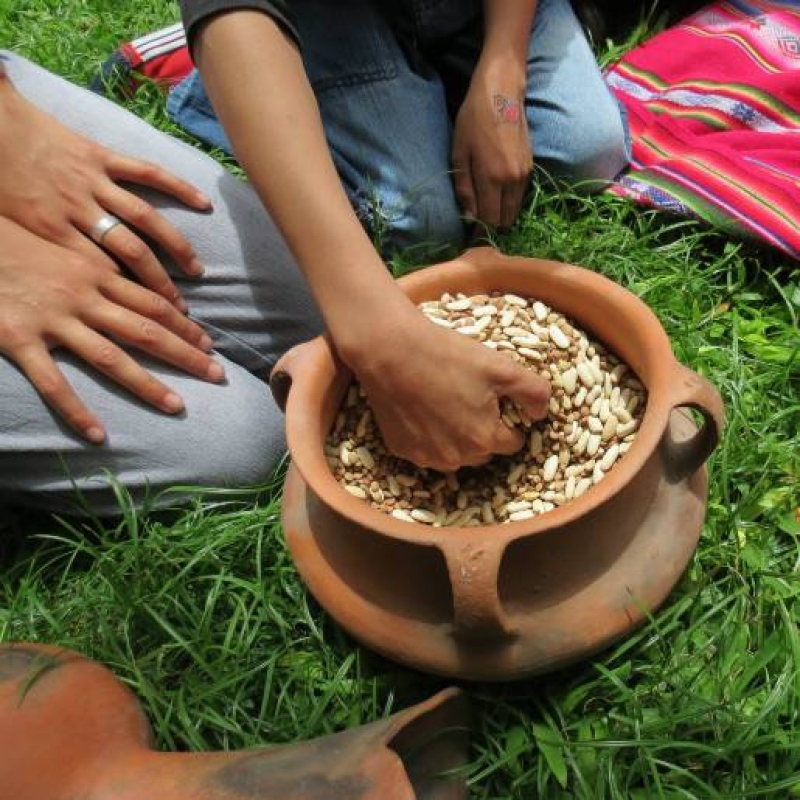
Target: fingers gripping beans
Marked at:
596, 408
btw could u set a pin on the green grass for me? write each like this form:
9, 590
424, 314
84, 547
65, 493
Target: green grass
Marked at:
204, 616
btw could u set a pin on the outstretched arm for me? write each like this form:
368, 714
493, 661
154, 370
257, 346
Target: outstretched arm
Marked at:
277, 133
434, 394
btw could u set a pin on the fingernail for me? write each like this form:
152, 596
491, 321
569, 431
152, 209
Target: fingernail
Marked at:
195, 268
172, 403
204, 199
205, 342
180, 304
95, 434
215, 372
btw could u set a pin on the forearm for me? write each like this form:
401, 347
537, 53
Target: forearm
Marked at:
276, 132
507, 30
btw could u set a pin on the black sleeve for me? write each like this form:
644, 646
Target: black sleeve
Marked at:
195, 12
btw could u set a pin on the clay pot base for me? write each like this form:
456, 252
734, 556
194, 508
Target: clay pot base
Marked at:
562, 611
69, 729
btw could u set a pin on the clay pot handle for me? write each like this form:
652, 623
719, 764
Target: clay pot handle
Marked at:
694, 391
478, 613
282, 375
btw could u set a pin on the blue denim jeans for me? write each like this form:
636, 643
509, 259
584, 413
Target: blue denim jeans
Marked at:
387, 94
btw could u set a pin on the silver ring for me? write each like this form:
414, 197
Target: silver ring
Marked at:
100, 229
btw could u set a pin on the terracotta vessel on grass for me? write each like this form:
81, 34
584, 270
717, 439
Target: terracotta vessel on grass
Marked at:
506, 601
69, 729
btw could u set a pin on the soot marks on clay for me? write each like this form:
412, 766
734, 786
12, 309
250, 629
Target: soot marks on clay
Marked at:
18, 661
15, 661
272, 773
26, 665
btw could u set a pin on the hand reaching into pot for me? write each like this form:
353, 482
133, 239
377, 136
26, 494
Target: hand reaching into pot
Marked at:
435, 394
51, 296
60, 185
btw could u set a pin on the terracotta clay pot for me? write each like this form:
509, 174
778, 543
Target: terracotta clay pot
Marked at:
506, 601
69, 729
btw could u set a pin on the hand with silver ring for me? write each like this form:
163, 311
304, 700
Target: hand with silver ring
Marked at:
65, 188
53, 298
106, 223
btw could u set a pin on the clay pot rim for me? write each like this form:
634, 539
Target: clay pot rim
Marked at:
662, 399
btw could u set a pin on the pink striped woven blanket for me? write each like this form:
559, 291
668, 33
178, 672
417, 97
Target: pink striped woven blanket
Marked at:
714, 109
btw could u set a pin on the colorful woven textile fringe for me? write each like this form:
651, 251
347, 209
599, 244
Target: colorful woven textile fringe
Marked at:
714, 109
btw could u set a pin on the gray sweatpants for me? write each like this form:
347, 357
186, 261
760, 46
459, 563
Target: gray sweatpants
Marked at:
252, 300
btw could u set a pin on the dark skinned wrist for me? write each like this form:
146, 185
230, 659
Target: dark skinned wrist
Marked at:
372, 342
503, 71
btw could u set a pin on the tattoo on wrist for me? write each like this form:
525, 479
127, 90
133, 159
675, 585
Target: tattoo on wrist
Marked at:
508, 110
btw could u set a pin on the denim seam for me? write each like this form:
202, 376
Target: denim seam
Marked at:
356, 79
